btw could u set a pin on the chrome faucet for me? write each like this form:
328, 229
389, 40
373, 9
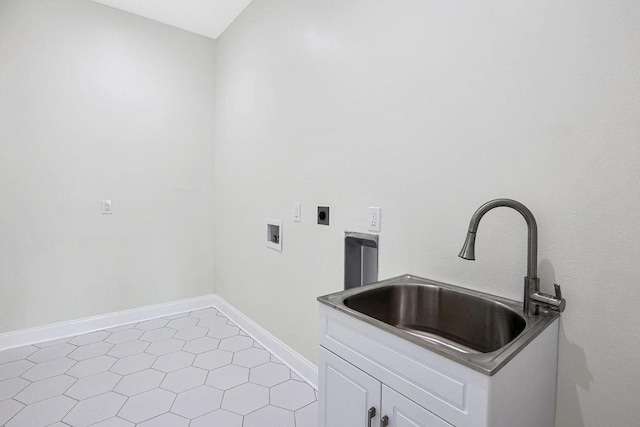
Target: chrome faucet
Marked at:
533, 298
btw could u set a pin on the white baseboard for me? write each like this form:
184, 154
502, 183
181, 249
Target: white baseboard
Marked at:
96, 323
298, 364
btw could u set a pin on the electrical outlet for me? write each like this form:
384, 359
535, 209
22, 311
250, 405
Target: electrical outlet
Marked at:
374, 219
323, 215
106, 207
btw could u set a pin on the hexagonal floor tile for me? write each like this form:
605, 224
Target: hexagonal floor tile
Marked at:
124, 336
206, 312
134, 363
92, 366
19, 353
90, 350
45, 389
93, 386
121, 328
166, 420
308, 416
197, 402
251, 357
184, 379
14, 369
174, 361
177, 316
114, 422
8, 409
191, 333
212, 322
158, 334
245, 398
292, 395
149, 325
228, 377
270, 416
224, 331
51, 353
42, 413
52, 343
44, 370
128, 348
219, 417
269, 374
90, 338
213, 359
147, 405
236, 343
201, 345
95, 409
185, 322
139, 382
11, 387
165, 346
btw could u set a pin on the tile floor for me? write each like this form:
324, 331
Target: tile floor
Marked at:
194, 369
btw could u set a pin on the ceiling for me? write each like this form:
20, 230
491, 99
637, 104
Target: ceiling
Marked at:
206, 17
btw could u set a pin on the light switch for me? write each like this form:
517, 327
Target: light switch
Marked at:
374, 219
106, 207
297, 213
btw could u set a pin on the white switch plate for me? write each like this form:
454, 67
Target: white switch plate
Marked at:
106, 207
374, 219
297, 213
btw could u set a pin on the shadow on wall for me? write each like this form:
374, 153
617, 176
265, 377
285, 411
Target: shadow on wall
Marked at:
573, 372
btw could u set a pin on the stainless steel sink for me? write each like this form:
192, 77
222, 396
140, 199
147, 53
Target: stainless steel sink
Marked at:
479, 330
461, 321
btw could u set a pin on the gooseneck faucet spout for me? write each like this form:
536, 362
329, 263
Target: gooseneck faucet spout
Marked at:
533, 298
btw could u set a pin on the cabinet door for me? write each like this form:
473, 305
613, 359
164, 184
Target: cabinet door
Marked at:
346, 394
403, 412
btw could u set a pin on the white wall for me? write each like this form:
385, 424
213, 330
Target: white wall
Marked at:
429, 109
99, 104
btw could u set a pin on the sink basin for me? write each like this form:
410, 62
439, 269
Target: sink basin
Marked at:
479, 330
468, 323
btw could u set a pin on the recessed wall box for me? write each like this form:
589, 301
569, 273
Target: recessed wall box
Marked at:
360, 259
274, 234
323, 215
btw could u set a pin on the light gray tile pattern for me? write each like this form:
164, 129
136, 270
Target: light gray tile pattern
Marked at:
8, 409
184, 379
93, 386
14, 369
147, 405
45, 389
17, 354
51, 353
95, 409
11, 387
90, 350
134, 363
193, 369
48, 369
43, 413
139, 382
90, 338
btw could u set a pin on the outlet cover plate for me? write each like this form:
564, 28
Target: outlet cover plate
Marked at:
323, 215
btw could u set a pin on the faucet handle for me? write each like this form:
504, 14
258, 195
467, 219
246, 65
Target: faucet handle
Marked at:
550, 302
558, 290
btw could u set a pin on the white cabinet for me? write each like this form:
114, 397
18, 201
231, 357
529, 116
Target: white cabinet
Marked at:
402, 412
351, 398
363, 367
347, 393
